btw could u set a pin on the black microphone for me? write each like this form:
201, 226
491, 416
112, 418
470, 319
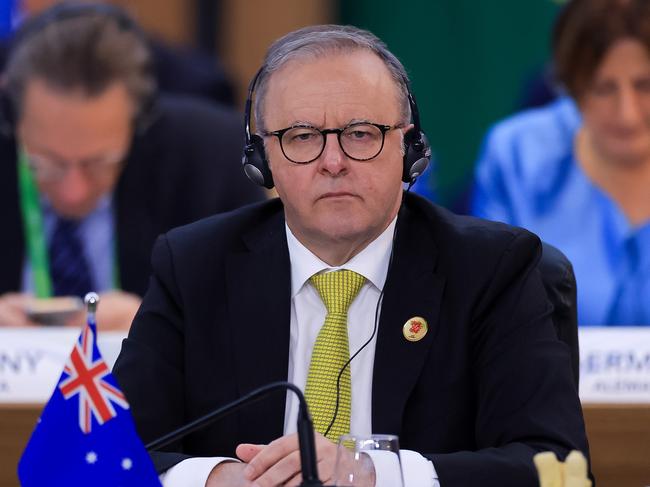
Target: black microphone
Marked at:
305, 428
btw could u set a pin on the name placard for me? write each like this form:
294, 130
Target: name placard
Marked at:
614, 362
614, 365
32, 359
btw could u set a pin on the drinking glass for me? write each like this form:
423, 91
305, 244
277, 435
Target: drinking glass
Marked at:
359, 459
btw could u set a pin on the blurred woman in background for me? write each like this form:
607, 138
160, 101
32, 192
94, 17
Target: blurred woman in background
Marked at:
577, 171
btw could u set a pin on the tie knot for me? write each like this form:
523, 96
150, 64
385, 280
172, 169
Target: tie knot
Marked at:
338, 289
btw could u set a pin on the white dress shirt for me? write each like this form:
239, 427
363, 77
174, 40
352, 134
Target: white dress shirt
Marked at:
307, 316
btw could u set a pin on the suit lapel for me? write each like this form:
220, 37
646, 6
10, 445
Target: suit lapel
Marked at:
412, 289
259, 297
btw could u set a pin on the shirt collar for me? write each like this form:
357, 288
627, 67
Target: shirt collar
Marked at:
371, 262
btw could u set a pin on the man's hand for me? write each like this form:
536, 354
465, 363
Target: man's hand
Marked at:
13, 310
278, 463
115, 311
227, 474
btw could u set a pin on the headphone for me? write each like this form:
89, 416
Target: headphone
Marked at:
417, 150
147, 112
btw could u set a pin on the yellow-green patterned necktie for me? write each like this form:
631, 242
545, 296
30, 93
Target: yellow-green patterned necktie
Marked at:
331, 351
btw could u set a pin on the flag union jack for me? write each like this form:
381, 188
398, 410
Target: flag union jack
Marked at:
63, 451
85, 378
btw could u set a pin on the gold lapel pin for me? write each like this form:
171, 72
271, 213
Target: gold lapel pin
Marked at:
415, 328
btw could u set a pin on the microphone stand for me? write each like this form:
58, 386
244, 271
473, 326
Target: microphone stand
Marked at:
305, 428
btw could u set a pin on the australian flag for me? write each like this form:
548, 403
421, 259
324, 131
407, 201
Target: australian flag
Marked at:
86, 435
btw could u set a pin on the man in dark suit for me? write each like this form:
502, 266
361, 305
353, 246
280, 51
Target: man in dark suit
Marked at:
87, 143
462, 361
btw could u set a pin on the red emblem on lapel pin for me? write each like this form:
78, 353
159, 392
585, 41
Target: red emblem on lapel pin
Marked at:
415, 329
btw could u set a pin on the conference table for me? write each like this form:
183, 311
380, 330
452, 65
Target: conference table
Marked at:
619, 438
614, 389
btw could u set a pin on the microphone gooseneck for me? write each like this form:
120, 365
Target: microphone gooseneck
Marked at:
305, 428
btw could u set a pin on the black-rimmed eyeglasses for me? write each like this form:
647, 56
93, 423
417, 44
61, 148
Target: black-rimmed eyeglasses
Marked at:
360, 141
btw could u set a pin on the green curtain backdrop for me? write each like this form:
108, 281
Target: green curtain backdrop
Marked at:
468, 60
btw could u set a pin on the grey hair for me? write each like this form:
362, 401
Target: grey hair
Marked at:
320, 40
83, 53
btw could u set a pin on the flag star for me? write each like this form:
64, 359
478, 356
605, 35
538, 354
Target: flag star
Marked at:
127, 463
91, 457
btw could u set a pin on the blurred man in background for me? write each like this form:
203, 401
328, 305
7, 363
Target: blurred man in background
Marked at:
94, 164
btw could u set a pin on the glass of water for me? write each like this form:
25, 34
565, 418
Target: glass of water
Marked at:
360, 459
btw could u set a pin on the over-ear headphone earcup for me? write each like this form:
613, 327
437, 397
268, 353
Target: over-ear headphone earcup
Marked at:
148, 114
417, 153
255, 164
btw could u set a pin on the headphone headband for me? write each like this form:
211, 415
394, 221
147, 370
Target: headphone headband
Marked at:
73, 10
249, 105
417, 151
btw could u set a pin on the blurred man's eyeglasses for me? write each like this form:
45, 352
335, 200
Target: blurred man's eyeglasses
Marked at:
51, 170
360, 141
